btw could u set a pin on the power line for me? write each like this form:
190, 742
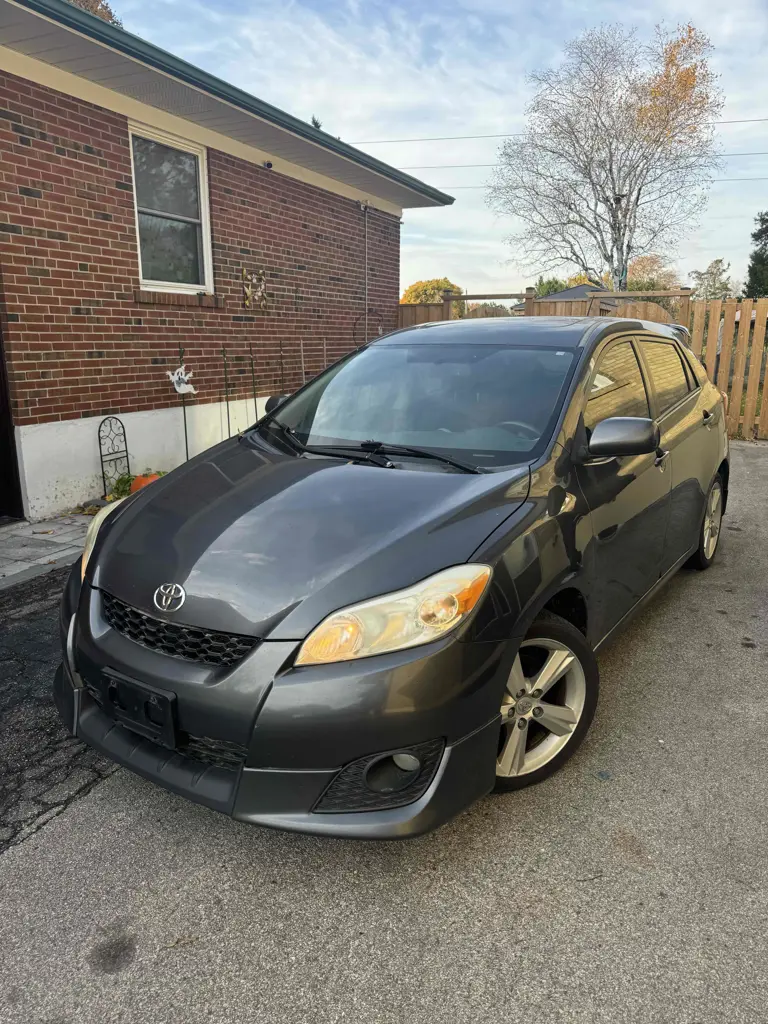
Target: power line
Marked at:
456, 188
441, 138
514, 135
436, 167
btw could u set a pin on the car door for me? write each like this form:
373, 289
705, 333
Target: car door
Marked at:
685, 422
628, 497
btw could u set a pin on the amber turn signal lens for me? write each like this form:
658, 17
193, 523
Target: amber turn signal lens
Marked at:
335, 640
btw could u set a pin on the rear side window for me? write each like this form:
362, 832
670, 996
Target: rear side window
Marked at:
697, 371
617, 387
667, 374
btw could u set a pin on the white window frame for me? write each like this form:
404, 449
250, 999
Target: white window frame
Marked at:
173, 141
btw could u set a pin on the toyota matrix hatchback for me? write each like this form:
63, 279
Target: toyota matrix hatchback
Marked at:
384, 599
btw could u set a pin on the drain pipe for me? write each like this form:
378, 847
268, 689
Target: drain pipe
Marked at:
364, 208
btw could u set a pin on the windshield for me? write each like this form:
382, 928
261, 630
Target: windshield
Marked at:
488, 404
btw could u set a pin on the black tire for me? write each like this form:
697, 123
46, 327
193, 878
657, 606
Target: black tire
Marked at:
553, 627
699, 560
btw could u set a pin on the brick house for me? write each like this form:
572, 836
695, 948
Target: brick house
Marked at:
136, 192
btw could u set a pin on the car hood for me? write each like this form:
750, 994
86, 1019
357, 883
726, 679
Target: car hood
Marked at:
267, 544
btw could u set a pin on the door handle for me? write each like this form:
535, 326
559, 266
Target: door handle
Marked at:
709, 418
661, 458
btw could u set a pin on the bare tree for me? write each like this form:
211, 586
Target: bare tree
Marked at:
618, 153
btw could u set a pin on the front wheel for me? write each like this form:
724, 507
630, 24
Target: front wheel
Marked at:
709, 534
548, 704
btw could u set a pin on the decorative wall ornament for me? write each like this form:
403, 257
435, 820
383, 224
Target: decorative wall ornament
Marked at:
254, 289
180, 379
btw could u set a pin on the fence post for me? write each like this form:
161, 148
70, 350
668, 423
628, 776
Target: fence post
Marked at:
447, 296
530, 295
685, 307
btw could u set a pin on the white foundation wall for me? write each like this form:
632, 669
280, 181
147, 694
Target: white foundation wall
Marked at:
59, 463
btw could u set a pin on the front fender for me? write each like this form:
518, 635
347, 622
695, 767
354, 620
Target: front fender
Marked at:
541, 550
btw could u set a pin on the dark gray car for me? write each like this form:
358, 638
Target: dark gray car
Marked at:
384, 599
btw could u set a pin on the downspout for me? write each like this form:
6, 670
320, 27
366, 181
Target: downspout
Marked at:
364, 208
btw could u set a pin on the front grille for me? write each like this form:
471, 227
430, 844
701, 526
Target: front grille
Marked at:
175, 639
348, 791
220, 753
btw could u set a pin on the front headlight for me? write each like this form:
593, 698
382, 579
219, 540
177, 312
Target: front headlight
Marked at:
421, 613
93, 531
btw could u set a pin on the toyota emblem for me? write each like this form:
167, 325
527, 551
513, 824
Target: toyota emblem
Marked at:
169, 597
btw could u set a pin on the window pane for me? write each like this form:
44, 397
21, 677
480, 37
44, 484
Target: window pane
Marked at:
170, 250
667, 374
494, 402
166, 179
617, 389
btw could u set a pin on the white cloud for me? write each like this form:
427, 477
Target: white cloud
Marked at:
375, 71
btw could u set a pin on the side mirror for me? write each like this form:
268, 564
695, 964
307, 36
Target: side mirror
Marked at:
623, 435
273, 402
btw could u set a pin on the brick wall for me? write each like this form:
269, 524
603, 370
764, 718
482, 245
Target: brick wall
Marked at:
82, 340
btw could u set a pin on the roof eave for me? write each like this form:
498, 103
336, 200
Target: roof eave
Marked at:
135, 48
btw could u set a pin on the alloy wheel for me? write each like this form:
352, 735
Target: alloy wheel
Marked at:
543, 702
713, 518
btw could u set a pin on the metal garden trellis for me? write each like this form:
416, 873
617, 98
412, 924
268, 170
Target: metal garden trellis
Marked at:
113, 452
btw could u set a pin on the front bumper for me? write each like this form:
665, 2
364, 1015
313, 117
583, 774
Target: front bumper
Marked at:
284, 799
300, 730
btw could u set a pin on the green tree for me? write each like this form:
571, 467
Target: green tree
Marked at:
101, 9
316, 122
432, 291
548, 286
714, 282
757, 271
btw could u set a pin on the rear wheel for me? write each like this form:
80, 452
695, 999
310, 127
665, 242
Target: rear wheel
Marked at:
548, 704
709, 535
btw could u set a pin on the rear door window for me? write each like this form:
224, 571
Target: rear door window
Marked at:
669, 379
617, 387
693, 364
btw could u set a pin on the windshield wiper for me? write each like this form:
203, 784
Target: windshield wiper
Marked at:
385, 448
372, 449
284, 430
370, 456
342, 451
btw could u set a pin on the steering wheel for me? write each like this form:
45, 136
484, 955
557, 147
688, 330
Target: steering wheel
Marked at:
534, 433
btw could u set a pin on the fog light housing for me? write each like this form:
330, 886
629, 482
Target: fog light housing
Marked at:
391, 773
381, 781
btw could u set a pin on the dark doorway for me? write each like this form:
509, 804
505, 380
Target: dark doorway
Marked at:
10, 486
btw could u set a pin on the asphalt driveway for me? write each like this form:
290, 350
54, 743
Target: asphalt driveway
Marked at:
632, 887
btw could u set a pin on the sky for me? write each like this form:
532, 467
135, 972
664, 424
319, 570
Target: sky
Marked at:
374, 70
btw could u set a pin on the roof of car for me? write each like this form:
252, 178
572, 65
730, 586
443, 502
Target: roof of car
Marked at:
561, 331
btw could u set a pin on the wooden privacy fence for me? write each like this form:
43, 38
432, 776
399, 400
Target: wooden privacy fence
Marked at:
639, 305
598, 306
410, 314
729, 338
